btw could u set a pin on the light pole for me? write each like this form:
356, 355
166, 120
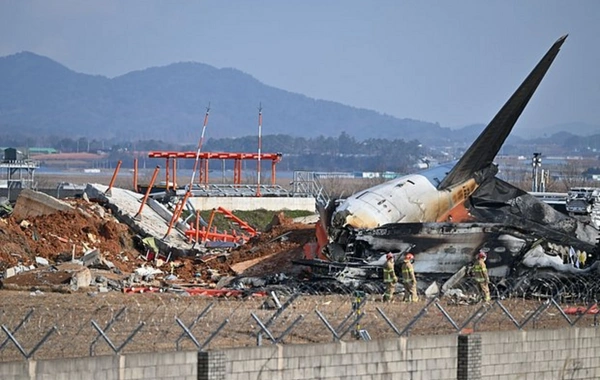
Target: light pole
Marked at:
536, 162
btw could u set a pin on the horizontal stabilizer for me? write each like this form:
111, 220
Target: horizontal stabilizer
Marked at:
482, 152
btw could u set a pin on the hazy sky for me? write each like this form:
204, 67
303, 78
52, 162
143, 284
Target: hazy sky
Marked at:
453, 62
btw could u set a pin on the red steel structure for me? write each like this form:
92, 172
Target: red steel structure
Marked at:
205, 157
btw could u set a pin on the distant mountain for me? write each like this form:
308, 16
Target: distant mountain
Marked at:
576, 128
39, 95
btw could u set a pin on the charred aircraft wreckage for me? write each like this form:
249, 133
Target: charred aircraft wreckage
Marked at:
446, 214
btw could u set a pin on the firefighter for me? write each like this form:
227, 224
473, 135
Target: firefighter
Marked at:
409, 279
389, 278
480, 275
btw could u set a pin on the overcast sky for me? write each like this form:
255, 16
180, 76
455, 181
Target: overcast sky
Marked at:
453, 62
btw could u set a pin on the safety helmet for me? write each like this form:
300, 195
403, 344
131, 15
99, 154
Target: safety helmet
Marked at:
389, 256
481, 255
409, 256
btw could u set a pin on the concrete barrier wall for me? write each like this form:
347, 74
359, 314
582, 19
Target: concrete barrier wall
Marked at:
403, 358
570, 353
253, 203
151, 366
101, 367
13, 194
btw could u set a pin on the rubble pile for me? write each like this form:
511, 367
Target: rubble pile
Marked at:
85, 247
268, 253
63, 234
273, 251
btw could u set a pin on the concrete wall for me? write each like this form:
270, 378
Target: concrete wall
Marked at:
169, 365
253, 203
63, 193
413, 358
570, 353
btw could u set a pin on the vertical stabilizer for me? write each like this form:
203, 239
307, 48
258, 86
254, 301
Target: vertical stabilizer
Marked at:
482, 152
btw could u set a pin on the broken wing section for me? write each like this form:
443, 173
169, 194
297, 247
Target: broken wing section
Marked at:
498, 201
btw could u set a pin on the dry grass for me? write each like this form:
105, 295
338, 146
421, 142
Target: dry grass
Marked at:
50, 181
344, 187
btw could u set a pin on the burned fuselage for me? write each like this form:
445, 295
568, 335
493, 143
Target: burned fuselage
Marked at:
446, 214
513, 227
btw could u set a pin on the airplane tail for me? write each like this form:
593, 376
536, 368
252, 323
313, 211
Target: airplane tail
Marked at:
482, 152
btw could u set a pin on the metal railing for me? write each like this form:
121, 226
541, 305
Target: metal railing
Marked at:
308, 183
233, 190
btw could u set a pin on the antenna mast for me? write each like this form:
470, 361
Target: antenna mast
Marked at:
259, 148
199, 147
179, 207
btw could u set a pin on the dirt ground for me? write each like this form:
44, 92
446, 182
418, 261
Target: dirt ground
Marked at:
154, 314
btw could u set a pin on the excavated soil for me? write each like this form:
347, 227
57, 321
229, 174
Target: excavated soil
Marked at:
62, 235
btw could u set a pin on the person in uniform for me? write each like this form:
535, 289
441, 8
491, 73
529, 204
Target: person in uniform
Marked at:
389, 278
480, 275
409, 279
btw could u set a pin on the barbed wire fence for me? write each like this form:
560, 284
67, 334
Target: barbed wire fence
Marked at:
172, 323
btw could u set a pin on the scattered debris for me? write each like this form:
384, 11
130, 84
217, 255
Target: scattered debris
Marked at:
94, 245
578, 310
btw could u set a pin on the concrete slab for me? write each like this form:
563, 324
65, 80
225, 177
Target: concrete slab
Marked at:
33, 203
81, 277
310, 219
125, 204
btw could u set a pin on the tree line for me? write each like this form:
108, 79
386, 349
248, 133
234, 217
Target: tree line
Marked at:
342, 153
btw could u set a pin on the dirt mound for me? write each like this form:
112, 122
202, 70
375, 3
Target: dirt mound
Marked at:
62, 235
65, 234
